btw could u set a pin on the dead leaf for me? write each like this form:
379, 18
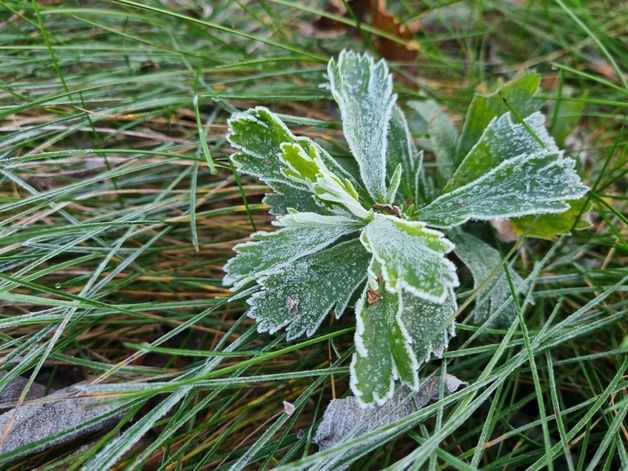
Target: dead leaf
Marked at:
11, 393
60, 417
345, 419
392, 50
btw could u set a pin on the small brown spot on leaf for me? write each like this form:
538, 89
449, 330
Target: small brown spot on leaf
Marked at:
372, 296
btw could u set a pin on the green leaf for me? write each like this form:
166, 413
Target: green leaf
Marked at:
429, 325
503, 139
402, 151
302, 234
443, 135
362, 89
548, 226
412, 256
258, 134
383, 353
519, 93
303, 164
393, 187
489, 279
517, 187
301, 293
285, 197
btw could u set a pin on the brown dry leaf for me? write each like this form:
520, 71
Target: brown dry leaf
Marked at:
337, 7
392, 50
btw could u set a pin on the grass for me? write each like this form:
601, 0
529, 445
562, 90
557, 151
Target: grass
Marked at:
118, 209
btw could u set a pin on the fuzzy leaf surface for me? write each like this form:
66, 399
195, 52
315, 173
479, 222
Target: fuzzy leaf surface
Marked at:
300, 294
429, 325
412, 257
517, 187
304, 165
503, 139
285, 197
362, 89
494, 303
383, 352
302, 234
258, 134
519, 93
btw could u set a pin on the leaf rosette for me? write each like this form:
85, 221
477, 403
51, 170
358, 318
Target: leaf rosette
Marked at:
373, 239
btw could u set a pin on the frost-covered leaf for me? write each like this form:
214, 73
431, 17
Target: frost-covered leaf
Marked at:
300, 294
520, 94
345, 419
429, 325
402, 151
412, 256
61, 417
303, 164
489, 278
302, 234
503, 139
362, 89
13, 390
548, 226
443, 135
517, 187
285, 197
258, 134
383, 352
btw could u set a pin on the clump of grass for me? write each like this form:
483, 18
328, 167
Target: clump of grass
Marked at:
114, 229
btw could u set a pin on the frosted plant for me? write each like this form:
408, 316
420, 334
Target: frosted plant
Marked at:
377, 237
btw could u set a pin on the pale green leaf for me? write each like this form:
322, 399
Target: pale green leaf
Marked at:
303, 164
258, 134
494, 302
520, 95
443, 135
517, 187
412, 256
383, 353
302, 234
503, 139
362, 89
402, 151
300, 294
548, 226
429, 325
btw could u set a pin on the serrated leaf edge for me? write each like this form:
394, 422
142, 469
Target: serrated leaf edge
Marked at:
363, 352
561, 161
